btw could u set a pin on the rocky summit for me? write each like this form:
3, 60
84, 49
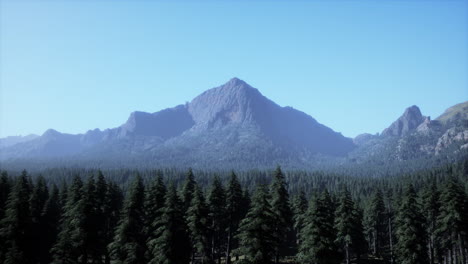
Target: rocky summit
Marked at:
235, 126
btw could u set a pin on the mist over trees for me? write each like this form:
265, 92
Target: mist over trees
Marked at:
234, 217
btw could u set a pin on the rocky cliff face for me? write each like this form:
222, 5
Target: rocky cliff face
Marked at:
406, 124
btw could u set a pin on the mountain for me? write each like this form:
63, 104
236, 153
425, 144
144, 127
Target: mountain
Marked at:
409, 121
232, 124
13, 140
414, 137
235, 126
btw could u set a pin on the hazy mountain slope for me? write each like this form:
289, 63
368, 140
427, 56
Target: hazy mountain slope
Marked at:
13, 140
231, 123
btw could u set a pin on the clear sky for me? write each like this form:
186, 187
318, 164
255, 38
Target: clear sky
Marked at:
352, 65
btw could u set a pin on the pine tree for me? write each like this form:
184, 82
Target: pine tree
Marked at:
112, 208
234, 213
256, 238
37, 201
66, 249
411, 244
154, 204
171, 243
348, 224
299, 209
452, 222
99, 218
431, 205
128, 246
188, 189
15, 227
197, 223
5, 187
49, 225
319, 235
376, 223
281, 212
217, 218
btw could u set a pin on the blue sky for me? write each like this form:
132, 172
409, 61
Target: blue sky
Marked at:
353, 65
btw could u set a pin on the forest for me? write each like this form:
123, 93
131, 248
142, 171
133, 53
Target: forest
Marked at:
172, 216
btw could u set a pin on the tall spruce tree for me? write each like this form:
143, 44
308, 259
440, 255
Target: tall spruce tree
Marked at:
411, 243
15, 227
37, 201
299, 209
111, 210
5, 187
431, 209
348, 224
234, 213
129, 244
256, 239
217, 218
154, 204
188, 189
376, 224
171, 244
49, 225
319, 235
452, 222
66, 249
197, 222
281, 212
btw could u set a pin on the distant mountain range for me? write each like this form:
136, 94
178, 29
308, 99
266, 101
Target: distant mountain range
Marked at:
235, 126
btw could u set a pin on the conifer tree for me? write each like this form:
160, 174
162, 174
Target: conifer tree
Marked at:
376, 223
188, 189
348, 224
128, 246
155, 199
49, 225
431, 210
39, 196
66, 249
234, 213
319, 235
256, 230
197, 223
15, 227
281, 212
452, 222
112, 209
171, 243
154, 204
411, 244
299, 209
5, 187
217, 218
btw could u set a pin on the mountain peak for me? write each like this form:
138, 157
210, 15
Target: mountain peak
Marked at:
406, 123
236, 84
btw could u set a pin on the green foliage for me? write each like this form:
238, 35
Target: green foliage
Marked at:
129, 244
319, 235
171, 243
15, 227
256, 237
197, 222
411, 242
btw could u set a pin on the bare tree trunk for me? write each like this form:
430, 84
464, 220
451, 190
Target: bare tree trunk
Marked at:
347, 253
461, 245
228, 248
391, 239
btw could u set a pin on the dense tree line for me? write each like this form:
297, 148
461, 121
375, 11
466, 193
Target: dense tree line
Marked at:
256, 217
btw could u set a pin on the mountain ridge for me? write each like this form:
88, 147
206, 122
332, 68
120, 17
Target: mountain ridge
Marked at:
235, 124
